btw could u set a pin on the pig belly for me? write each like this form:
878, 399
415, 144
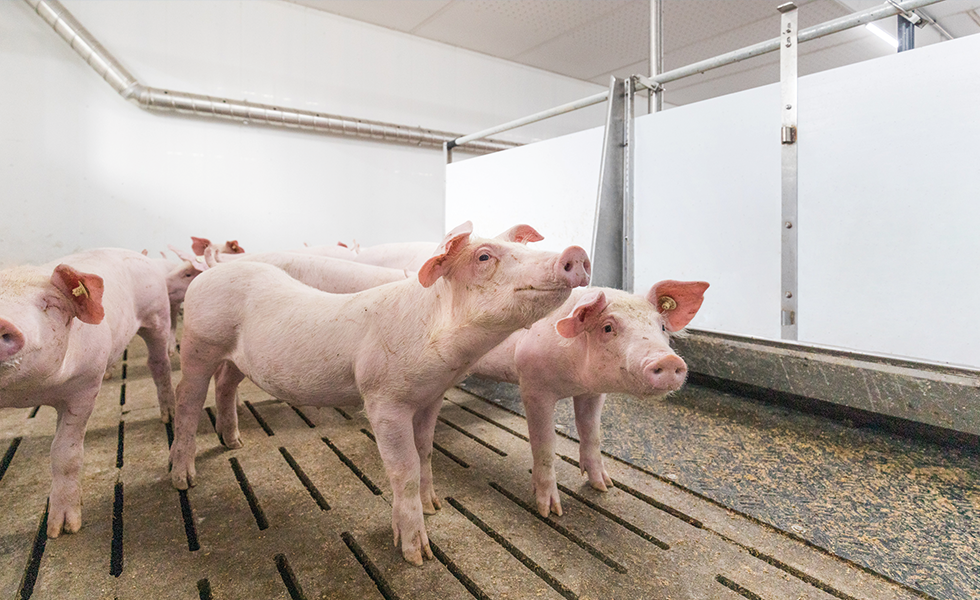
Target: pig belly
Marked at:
299, 382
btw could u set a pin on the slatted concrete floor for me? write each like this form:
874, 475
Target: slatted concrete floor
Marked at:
303, 511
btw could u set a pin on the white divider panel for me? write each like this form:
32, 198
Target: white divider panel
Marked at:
708, 207
890, 204
549, 185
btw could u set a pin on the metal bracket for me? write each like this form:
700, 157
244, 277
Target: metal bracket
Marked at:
642, 82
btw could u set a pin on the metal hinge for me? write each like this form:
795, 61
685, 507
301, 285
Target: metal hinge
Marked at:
789, 135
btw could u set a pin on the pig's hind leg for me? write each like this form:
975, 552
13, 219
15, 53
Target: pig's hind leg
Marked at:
226, 381
198, 363
588, 413
158, 347
540, 410
67, 455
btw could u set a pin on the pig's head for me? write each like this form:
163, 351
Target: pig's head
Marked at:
627, 337
36, 314
180, 277
500, 284
230, 247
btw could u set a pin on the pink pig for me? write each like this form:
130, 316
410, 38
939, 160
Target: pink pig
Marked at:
61, 325
600, 341
395, 349
230, 247
412, 255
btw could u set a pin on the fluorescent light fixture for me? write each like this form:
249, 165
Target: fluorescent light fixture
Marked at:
878, 32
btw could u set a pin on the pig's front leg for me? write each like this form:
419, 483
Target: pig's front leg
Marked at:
425, 427
540, 410
67, 454
394, 431
588, 413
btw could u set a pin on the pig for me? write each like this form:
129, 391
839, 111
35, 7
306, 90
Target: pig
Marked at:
327, 274
230, 247
178, 277
412, 255
602, 340
341, 250
393, 349
61, 325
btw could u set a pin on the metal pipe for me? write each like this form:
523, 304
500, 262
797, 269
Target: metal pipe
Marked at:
656, 102
810, 33
79, 38
551, 112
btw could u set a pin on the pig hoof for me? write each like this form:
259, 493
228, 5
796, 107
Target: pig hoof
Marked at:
233, 443
182, 482
414, 557
432, 506
59, 522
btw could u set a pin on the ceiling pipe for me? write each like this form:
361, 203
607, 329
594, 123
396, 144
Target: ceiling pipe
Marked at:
170, 101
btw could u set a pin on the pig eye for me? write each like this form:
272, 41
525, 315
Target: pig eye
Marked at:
484, 257
607, 328
663, 328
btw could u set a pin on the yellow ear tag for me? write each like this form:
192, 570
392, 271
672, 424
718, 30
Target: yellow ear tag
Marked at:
667, 303
80, 290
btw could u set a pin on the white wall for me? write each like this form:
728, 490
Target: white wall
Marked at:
889, 218
80, 167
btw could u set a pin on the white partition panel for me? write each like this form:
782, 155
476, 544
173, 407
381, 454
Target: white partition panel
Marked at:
707, 207
889, 203
549, 185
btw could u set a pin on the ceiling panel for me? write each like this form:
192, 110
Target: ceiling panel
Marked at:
592, 39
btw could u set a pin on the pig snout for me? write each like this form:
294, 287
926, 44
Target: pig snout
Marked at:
666, 373
574, 266
11, 340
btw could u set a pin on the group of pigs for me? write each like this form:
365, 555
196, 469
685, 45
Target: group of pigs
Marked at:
388, 327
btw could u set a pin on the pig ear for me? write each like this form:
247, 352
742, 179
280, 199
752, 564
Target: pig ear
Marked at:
199, 244
233, 247
436, 267
521, 234
677, 301
84, 290
586, 310
200, 266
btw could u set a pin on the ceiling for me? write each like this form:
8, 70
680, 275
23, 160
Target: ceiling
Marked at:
592, 40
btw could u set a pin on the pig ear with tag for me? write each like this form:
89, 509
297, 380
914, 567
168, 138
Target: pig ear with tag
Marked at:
677, 301
521, 234
583, 316
84, 290
193, 260
437, 266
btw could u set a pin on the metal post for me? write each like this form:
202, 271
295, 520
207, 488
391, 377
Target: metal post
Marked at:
656, 103
612, 239
906, 34
627, 154
789, 303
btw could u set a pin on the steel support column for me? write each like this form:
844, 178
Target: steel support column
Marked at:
789, 303
612, 239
